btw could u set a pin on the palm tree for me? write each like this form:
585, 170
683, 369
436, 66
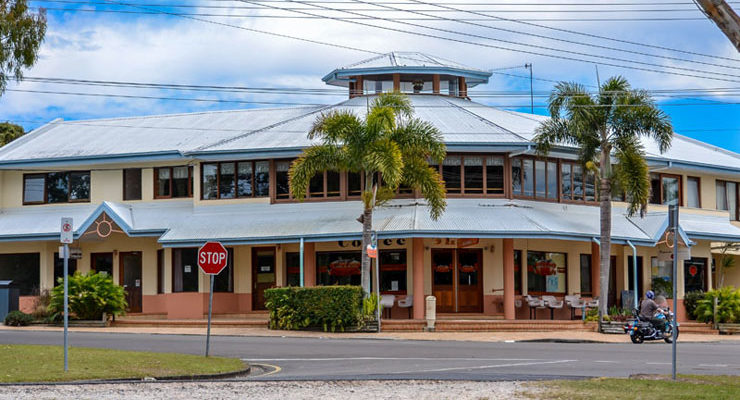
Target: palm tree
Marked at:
607, 127
388, 147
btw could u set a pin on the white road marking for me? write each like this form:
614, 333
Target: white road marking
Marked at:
391, 358
486, 366
607, 362
714, 365
654, 363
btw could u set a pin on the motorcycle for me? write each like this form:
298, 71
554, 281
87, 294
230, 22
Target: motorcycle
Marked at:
640, 330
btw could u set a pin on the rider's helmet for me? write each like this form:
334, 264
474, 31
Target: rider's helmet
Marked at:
650, 294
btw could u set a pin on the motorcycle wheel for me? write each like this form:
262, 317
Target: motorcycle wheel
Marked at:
636, 338
670, 338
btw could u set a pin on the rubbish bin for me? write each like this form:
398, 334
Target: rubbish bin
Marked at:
8, 298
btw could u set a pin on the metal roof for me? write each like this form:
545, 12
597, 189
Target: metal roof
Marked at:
179, 223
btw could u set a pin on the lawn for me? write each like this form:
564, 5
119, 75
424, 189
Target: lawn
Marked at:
31, 363
649, 387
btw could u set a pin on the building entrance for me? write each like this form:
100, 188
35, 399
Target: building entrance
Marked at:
130, 278
263, 274
457, 279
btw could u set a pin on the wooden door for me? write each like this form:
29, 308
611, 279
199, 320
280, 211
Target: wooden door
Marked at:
469, 280
130, 279
443, 279
263, 274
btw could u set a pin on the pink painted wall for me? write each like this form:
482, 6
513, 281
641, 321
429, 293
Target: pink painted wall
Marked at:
195, 305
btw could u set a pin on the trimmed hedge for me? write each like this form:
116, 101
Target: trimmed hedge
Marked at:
327, 307
18, 318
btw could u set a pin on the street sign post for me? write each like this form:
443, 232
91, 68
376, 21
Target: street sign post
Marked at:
673, 225
212, 259
66, 237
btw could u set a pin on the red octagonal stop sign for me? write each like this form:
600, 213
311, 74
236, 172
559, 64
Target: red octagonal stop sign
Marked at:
212, 258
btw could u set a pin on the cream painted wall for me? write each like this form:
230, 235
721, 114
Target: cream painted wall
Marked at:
106, 186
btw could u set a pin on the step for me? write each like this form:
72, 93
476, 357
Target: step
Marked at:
190, 323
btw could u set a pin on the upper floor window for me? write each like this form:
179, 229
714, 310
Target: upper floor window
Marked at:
693, 192
473, 174
229, 180
575, 184
132, 184
728, 197
665, 189
172, 182
534, 178
56, 187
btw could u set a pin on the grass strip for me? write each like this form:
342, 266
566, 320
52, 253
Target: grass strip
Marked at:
33, 363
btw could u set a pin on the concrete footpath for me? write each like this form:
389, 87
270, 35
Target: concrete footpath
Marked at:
567, 336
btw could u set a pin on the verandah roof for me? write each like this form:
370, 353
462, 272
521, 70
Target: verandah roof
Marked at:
179, 224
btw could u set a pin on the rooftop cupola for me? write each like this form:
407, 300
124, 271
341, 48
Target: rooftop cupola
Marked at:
407, 72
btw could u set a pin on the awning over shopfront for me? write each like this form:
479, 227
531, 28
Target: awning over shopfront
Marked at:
179, 224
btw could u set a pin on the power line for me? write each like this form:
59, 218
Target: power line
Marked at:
519, 44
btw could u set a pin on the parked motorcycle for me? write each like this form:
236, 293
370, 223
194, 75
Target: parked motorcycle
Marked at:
641, 331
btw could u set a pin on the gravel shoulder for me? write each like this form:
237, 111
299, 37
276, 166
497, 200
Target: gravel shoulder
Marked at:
411, 390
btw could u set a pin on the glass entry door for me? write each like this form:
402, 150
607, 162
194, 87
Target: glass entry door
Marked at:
457, 279
263, 274
130, 278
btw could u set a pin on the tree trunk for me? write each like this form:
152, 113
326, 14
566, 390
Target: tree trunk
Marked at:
367, 227
605, 205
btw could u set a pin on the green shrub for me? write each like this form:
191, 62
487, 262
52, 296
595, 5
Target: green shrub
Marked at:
326, 307
662, 287
690, 301
90, 295
728, 306
18, 318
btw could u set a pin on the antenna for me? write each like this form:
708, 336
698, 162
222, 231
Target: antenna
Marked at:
531, 93
598, 81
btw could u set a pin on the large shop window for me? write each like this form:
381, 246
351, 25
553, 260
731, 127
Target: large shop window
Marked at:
23, 270
59, 268
173, 182
324, 184
230, 180
160, 271
132, 184
56, 187
695, 274
338, 268
185, 270
728, 198
575, 185
665, 189
586, 287
546, 272
393, 271
534, 178
661, 273
472, 175
293, 269
102, 263
517, 271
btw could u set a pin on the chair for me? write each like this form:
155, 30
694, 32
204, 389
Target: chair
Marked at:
592, 303
386, 302
552, 303
406, 302
575, 302
534, 303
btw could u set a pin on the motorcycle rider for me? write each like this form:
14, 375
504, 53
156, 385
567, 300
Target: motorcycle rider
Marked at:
648, 311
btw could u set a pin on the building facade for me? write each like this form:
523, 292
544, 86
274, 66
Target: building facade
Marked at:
146, 192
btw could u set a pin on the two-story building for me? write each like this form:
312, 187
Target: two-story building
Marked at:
146, 192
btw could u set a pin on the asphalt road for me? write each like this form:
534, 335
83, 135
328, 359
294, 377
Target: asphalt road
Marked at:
283, 358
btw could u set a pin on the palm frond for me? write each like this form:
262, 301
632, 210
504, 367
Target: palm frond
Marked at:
632, 176
385, 156
638, 115
314, 160
398, 102
335, 126
418, 137
418, 175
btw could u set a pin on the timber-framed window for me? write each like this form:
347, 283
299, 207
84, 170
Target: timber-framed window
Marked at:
665, 189
534, 178
576, 183
231, 180
173, 182
56, 187
472, 175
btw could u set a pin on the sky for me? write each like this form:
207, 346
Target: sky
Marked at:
255, 44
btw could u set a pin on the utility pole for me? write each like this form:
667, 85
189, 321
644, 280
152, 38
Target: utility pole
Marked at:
531, 93
725, 18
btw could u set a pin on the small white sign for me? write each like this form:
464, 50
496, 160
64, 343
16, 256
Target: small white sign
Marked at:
67, 235
394, 286
137, 283
188, 269
265, 268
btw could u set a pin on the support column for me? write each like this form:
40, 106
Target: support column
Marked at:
462, 87
396, 82
595, 268
418, 274
309, 264
509, 308
435, 83
359, 86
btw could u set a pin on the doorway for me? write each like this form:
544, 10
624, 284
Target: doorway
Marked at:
102, 263
263, 274
612, 300
457, 280
631, 276
130, 278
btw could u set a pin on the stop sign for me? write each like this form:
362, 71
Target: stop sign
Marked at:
212, 258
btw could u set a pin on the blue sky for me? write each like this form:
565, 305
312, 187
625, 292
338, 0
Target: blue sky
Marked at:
157, 48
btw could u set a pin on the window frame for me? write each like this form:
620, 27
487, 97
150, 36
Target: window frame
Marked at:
393, 267
194, 267
45, 175
161, 265
547, 161
271, 180
567, 268
484, 176
130, 170
724, 183
171, 179
584, 173
661, 175
698, 189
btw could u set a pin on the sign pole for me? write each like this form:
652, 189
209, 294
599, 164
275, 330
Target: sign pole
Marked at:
210, 310
66, 307
673, 210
